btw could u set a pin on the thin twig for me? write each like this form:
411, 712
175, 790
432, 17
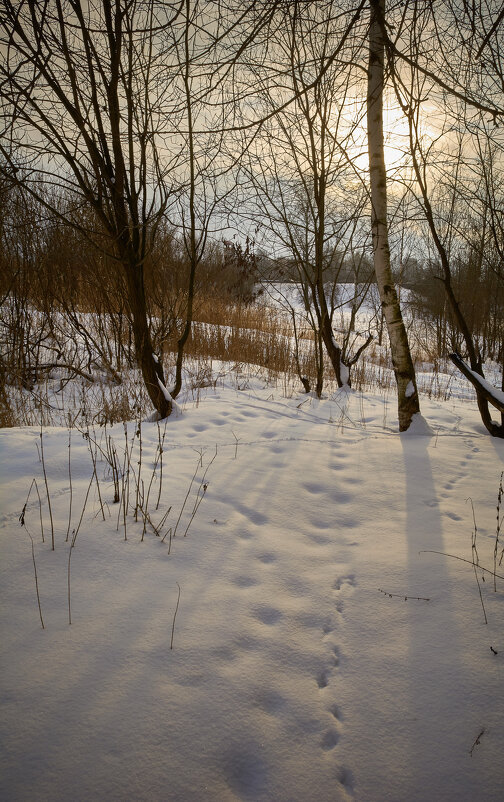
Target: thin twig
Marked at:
22, 522
34, 482
72, 544
174, 617
237, 440
477, 742
47, 487
498, 528
199, 498
161, 444
185, 500
147, 519
138, 479
156, 461
456, 557
89, 441
475, 560
70, 480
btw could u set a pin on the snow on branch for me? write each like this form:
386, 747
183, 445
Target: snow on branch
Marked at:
492, 395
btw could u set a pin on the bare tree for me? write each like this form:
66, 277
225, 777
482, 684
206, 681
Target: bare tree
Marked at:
456, 166
407, 394
307, 199
82, 90
105, 98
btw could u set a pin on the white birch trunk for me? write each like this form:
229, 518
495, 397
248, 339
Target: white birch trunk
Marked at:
407, 395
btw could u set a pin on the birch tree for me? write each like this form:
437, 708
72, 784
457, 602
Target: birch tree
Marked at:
407, 393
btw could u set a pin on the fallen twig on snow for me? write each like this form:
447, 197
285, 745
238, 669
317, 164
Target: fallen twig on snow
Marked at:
477, 742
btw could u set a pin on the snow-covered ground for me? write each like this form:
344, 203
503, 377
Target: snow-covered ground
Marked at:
318, 650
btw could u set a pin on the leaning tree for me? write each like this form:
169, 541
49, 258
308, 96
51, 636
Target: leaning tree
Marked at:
445, 58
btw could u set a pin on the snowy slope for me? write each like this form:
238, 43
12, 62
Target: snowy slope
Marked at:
293, 677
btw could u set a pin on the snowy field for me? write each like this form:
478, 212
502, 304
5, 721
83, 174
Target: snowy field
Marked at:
301, 643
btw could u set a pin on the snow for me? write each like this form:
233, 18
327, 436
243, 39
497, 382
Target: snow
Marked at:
165, 391
419, 426
344, 373
297, 670
410, 390
498, 395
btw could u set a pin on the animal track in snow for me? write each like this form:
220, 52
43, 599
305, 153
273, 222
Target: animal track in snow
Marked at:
353, 480
345, 777
452, 481
267, 557
323, 679
244, 581
329, 740
319, 523
340, 497
312, 487
267, 615
320, 540
343, 581
246, 772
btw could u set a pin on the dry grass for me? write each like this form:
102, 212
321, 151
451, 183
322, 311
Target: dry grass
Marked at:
253, 338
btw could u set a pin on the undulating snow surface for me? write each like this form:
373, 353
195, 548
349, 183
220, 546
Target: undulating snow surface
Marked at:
294, 675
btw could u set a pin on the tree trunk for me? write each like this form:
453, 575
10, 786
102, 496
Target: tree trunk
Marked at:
152, 370
407, 394
332, 348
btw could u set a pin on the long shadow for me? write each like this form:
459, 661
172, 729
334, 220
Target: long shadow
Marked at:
434, 659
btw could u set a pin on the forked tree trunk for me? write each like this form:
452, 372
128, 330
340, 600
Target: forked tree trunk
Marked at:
407, 394
152, 371
332, 348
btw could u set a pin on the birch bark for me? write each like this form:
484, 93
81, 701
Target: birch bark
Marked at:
407, 394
